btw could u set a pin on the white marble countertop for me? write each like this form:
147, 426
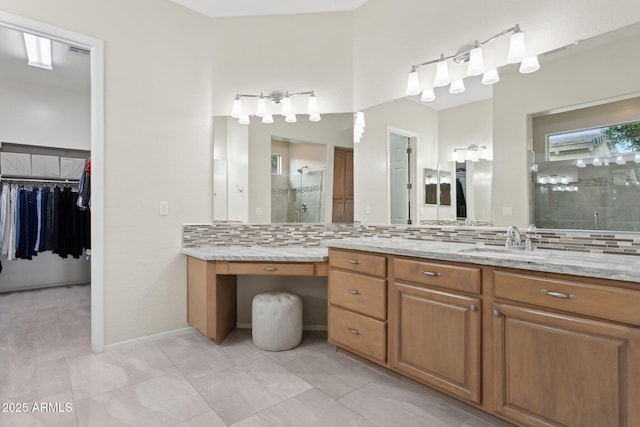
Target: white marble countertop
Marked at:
258, 253
615, 267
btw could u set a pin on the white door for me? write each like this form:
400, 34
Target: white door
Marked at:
398, 193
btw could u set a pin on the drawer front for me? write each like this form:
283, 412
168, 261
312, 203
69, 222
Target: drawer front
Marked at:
608, 302
276, 269
467, 279
356, 292
358, 333
375, 265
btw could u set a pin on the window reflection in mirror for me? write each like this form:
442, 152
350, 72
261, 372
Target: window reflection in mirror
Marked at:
587, 171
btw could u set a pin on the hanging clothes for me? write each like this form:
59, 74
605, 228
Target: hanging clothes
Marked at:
84, 188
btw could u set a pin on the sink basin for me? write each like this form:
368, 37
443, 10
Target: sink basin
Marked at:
502, 253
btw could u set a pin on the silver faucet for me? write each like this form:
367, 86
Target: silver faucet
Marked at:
513, 238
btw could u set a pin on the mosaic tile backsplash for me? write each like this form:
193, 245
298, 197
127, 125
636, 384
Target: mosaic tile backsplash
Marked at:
238, 234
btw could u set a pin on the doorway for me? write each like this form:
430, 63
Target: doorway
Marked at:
400, 157
95, 48
342, 211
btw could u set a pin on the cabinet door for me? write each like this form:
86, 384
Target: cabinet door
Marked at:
436, 339
559, 370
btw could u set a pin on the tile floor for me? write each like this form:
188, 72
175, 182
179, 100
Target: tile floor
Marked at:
185, 380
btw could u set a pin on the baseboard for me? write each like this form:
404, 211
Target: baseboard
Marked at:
147, 338
304, 327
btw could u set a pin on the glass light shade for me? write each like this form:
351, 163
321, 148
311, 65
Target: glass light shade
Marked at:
475, 155
428, 95
484, 153
314, 117
312, 108
267, 118
517, 48
490, 77
468, 155
564, 180
356, 135
290, 118
442, 74
596, 161
636, 158
457, 86
454, 156
476, 63
236, 110
413, 84
38, 51
580, 163
360, 122
542, 180
553, 180
244, 119
529, 65
262, 107
287, 110
620, 160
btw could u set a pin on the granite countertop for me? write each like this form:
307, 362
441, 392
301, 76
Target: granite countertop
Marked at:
615, 267
259, 253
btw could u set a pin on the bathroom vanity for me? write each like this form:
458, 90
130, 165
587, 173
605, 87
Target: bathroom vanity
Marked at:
511, 333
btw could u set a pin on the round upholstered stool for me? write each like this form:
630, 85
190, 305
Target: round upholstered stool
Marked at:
276, 321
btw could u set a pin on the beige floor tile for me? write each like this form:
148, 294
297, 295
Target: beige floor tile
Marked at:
312, 342
34, 380
99, 373
160, 401
309, 409
57, 410
246, 389
208, 419
332, 373
388, 402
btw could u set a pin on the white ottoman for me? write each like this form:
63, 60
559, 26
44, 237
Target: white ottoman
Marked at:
276, 321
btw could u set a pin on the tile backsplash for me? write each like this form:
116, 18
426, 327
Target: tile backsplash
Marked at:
300, 234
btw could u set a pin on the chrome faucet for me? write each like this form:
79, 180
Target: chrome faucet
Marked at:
514, 241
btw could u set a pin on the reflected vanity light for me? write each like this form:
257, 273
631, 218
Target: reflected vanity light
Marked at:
472, 153
473, 54
358, 126
275, 97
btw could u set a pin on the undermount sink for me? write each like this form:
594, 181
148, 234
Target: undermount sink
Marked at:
503, 253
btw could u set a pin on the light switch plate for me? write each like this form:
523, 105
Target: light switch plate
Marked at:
164, 208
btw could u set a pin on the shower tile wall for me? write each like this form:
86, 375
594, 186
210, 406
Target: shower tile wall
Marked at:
279, 198
290, 192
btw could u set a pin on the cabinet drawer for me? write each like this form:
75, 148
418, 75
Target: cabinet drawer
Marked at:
356, 292
358, 333
264, 268
467, 279
375, 265
608, 302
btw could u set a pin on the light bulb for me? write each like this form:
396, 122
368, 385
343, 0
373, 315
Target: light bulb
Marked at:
457, 86
490, 77
413, 83
286, 106
267, 118
312, 108
262, 106
428, 95
236, 110
517, 47
529, 65
290, 118
244, 119
476, 63
442, 73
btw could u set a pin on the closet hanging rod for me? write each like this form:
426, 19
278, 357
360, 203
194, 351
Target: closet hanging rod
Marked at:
42, 180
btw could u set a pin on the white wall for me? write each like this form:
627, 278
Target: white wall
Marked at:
595, 75
371, 176
157, 148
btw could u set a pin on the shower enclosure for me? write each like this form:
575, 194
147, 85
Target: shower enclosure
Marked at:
298, 196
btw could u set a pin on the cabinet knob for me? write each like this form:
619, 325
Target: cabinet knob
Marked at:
354, 331
354, 292
354, 261
430, 273
473, 308
496, 313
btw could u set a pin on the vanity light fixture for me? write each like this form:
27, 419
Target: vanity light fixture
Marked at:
38, 51
275, 97
473, 54
358, 126
473, 153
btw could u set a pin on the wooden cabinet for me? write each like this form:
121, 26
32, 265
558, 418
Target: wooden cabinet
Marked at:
436, 335
358, 303
566, 352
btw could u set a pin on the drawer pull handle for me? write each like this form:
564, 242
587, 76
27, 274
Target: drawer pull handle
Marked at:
473, 308
270, 268
354, 331
558, 294
430, 273
353, 292
354, 261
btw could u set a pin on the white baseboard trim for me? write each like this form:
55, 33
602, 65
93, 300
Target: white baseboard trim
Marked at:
146, 338
304, 327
